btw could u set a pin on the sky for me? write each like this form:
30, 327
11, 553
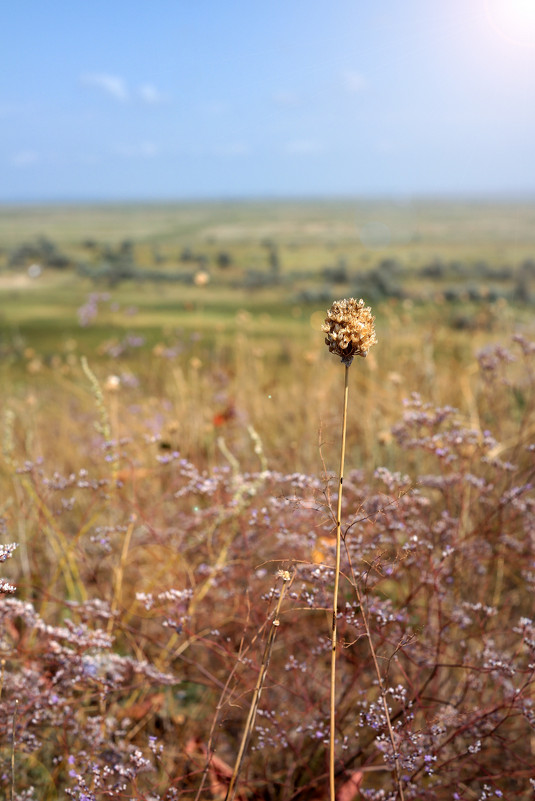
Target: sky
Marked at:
214, 99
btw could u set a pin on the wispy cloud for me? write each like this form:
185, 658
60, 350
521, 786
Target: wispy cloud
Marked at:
112, 85
151, 95
143, 150
214, 109
285, 99
24, 158
236, 149
117, 87
303, 147
354, 81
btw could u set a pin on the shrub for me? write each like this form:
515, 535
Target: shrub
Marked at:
41, 250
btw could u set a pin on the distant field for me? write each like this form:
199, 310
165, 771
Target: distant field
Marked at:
428, 220
413, 227
282, 249
249, 283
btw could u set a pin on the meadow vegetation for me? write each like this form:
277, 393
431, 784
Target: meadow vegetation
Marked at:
170, 427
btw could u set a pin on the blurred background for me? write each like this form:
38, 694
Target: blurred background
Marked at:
186, 187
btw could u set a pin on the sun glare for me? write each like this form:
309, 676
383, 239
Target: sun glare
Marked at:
514, 20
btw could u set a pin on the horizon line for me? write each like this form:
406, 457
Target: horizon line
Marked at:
383, 197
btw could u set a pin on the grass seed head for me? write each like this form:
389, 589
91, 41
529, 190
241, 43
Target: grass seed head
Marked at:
349, 328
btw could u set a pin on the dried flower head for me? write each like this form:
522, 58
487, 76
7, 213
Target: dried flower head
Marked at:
349, 329
113, 383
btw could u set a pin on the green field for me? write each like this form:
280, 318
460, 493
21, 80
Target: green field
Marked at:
444, 278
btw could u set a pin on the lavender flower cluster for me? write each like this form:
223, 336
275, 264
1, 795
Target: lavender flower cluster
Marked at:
145, 596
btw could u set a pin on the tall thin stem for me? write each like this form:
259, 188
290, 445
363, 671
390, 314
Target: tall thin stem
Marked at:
14, 731
249, 725
336, 585
365, 618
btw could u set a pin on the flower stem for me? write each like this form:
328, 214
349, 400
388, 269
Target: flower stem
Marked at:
336, 585
249, 725
365, 618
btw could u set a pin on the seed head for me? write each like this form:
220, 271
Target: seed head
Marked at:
349, 329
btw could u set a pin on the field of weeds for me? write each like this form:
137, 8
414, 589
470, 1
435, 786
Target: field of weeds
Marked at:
169, 504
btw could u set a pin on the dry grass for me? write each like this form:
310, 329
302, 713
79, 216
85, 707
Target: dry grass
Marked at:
155, 494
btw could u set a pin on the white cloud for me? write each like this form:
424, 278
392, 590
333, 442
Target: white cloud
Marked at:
354, 81
24, 158
303, 147
233, 149
144, 150
285, 98
150, 94
111, 84
214, 109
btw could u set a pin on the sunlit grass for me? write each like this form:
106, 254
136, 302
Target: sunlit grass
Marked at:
167, 458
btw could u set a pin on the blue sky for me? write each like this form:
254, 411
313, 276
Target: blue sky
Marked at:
183, 99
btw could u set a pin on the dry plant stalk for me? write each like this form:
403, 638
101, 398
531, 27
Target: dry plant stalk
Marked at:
104, 427
349, 332
13, 734
249, 724
365, 618
119, 575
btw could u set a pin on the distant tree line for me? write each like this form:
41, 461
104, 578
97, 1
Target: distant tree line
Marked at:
41, 251
456, 280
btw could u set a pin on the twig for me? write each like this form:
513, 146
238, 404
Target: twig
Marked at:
13, 751
249, 725
365, 619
